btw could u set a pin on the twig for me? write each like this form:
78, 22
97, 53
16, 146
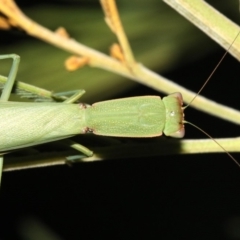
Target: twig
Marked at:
113, 20
210, 21
159, 147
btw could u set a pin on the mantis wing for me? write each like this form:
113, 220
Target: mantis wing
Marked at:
28, 124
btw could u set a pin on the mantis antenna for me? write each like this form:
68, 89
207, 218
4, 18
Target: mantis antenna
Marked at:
213, 71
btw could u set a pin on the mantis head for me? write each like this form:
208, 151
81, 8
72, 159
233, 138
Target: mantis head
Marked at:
174, 124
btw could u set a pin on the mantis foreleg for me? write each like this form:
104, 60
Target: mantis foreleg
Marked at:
11, 77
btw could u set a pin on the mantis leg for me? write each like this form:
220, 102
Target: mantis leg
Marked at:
74, 95
8, 88
11, 77
78, 147
1, 168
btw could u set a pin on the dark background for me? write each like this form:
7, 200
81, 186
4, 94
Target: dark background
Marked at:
173, 197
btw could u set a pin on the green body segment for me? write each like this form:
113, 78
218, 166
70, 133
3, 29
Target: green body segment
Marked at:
174, 126
127, 117
28, 124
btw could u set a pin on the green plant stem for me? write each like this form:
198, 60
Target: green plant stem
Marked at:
158, 147
211, 22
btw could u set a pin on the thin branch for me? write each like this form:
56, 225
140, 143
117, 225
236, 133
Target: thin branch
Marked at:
210, 21
157, 147
114, 22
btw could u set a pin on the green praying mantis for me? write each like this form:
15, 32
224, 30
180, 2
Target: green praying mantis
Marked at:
139, 117
146, 116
